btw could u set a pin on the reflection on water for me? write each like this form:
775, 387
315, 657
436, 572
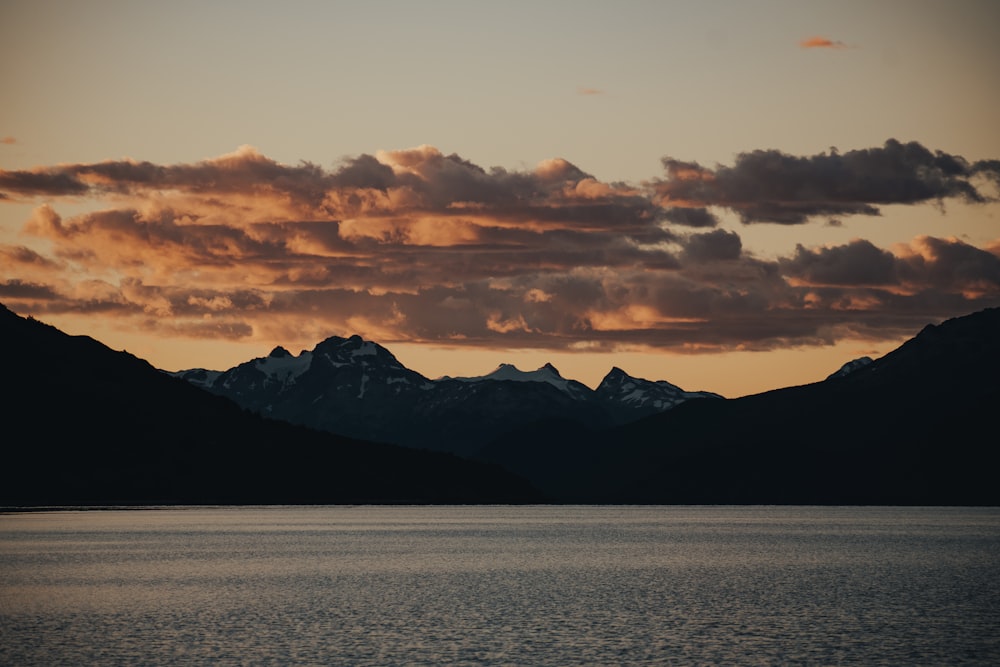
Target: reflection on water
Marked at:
501, 585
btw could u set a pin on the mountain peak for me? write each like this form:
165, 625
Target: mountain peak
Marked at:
511, 373
616, 375
353, 346
551, 369
850, 367
546, 373
339, 341
279, 353
643, 395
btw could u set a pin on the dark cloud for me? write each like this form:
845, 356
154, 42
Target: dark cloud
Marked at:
690, 217
857, 263
48, 183
364, 171
928, 264
716, 245
771, 186
990, 169
15, 290
417, 245
13, 255
762, 186
950, 264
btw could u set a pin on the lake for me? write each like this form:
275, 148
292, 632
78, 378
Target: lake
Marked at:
538, 585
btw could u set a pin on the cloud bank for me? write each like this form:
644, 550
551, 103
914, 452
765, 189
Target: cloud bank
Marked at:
416, 245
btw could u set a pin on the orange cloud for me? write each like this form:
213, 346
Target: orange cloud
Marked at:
417, 245
8, 140
821, 43
583, 90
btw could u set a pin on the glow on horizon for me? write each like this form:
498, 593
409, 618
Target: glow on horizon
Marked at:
731, 374
609, 107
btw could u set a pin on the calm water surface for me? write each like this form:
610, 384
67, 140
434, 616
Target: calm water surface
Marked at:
501, 586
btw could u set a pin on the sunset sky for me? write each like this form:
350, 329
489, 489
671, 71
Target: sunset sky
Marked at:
732, 196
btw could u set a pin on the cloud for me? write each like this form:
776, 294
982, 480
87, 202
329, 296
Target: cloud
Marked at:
418, 245
713, 246
16, 289
934, 263
690, 217
8, 140
52, 183
772, 186
821, 43
926, 274
23, 256
584, 90
857, 263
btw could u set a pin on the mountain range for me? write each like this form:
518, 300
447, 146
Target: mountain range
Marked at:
86, 425
914, 427
357, 388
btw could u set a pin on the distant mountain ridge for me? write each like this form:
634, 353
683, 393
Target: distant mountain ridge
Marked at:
358, 388
914, 427
86, 425
547, 373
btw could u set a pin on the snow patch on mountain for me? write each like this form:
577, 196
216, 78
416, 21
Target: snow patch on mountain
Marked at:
358, 388
282, 368
850, 367
621, 388
367, 349
199, 377
509, 372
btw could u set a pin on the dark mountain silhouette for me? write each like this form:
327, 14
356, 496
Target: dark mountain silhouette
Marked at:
916, 426
628, 398
87, 425
357, 388
850, 367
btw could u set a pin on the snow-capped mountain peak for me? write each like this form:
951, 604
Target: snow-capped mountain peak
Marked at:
850, 367
199, 377
615, 376
355, 351
282, 367
358, 388
547, 373
621, 388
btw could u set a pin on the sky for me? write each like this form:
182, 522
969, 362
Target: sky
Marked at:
731, 196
